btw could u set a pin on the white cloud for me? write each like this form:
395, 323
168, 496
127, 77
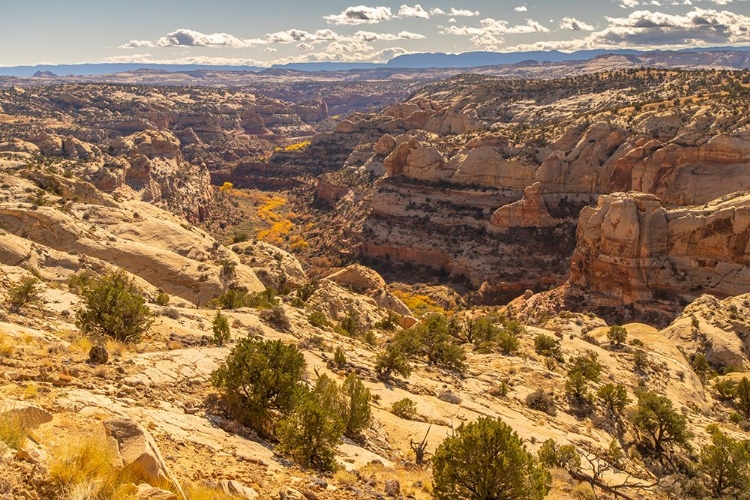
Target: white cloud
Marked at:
368, 36
416, 11
521, 8
361, 14
213, 61
305, 47
189, 38
571, 23
437, 12
463, 13
657, 30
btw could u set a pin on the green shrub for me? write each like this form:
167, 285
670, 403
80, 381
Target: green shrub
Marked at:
584, 369
743, 397
162, 298
317, 319
726, 465
339, 357
542, 401
725, 390
404, 408
311, 432
548, 346
261, 300
553, 455
487, 460
260, 378
350, 326
507, 343
220, 329
357, 398
114, 306
23, 293
392, 359
240, 237
617, 335
613, 397
658, 424
640, 360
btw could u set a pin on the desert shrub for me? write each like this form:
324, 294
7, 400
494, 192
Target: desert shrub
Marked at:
617, 335
548, 346
640, 360
220, 328
487, 460
228, 268
261, 300
404, 408
388, 323
351, 325
553, 455
79, 281
240, 237
311, 431
500, 390
725, 390
431, 339
305, 291
114, 306
613, 397
357, 398
231, 299
171, 312
277, 318
542, 401
162, 298
23, 293
258, 379
392, 359
726, 464
317, 319
584, 369
506, 342
700, 365
339, 357
658, 424
743, 397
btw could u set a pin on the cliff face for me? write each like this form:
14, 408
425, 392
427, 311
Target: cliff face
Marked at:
485, 179
631, 249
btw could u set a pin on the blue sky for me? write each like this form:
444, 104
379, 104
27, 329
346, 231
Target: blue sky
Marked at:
262, 33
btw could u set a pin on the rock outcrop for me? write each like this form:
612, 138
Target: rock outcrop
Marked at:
631, 249
529, 211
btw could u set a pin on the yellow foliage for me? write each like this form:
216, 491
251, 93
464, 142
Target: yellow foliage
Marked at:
227, 186
419, 304
276, 233
298, 244
12, 429
294, 147
267, 211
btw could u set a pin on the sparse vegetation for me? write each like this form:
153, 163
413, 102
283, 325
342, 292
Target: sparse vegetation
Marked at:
23, 293
404, 408
486, 459
114, 306
220, 327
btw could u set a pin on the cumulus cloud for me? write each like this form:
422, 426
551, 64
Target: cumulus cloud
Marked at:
521, 8
571, 23
212, 61
654, 30
416, 11
490, 31
368, 36
189, 38
463, 13
305, 47
361, 14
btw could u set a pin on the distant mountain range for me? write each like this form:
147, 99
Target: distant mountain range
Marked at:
732, 57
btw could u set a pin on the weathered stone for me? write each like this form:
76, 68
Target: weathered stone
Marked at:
392, 488
98, 355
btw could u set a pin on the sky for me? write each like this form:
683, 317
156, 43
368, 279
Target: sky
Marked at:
261, 33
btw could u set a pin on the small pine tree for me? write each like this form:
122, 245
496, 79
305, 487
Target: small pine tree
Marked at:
617, 335
743, 397
260, 378
25, 292
658, 424
583, 369
339, 357
614, 398
114, 306
357, 398
221, 329
726, 464
487, 460
392, 359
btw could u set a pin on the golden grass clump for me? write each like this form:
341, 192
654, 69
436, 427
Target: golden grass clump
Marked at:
12, 429
198, 492
85, 468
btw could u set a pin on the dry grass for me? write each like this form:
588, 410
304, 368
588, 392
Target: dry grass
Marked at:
12, 429
198, 492
84, 469
6, 346
117, 348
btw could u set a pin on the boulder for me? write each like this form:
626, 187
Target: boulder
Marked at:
232, 487
393, 488
530, 211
